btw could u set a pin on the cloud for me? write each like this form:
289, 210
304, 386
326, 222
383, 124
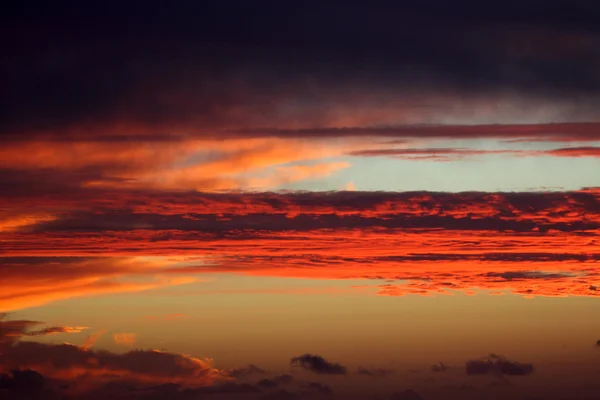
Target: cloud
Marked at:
125, 339
126, 241
22, 382
87, 369
281, 394
246, 77
315, 389
526, 283
552, 132
408, 394
499, 365
318, 364
436, 154
249, 369
454, 154
350, 187
206, 165
588, 151
92, 339
226, 388
276, 381
439, 367
29, 283
68, 362
12, 330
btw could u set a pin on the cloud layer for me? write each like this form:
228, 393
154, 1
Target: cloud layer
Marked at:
106, 241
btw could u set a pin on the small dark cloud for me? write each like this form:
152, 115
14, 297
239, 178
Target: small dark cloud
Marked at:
280, 394
408, 394
498, 365
597, 343
249, 369
227, 388
316, 389
318, 365
439, 367
285, 379
12, 330
374, 372
525, 275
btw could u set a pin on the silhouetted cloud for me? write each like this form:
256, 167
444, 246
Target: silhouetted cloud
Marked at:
249, 369
276, 381
23, 381
226, 71
66, 361
454, 154
226, 388
499, 365
315, 389
281, 394
408, 394
318, 365
12, 330
439, 367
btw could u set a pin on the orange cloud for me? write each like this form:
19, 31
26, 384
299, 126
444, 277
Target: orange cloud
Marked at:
92, 339
205, 164
125, 339
132, 241
37, 281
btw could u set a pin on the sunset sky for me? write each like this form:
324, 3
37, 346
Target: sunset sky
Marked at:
274, 200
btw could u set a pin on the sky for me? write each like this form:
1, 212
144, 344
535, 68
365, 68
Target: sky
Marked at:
275, 200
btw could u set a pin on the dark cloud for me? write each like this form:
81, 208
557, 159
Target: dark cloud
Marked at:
560, 132
452, 154
281, 394
249, 369
525, 275
12, 330
127, 210
276, 381
315, 389
497, 365
374, 372
95, 367
226, 388
22, 380
439, 367
408, 394
208, 64
318, 365
435, 154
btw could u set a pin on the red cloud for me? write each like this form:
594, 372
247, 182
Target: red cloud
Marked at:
331, 235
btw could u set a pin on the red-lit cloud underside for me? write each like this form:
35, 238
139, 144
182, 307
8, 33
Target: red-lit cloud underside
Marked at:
97, 241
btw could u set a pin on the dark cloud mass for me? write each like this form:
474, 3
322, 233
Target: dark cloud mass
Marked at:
96, 69
439, 367
408, 394
498, 365
249, 369
276, 381
318, 364
315, 389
